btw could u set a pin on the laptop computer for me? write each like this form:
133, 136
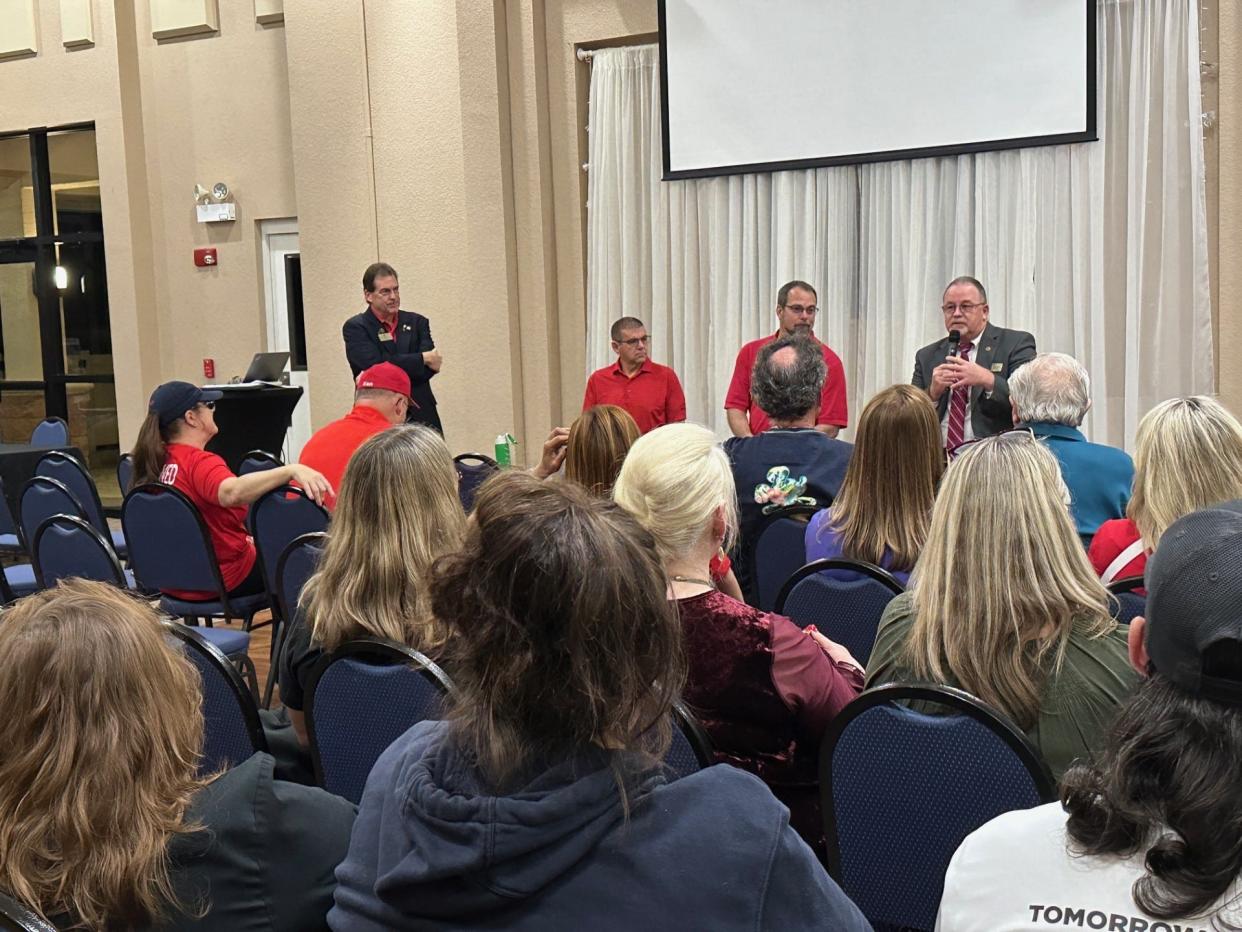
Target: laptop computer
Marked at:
266, 367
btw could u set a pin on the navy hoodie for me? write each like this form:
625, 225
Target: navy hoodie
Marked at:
433, 849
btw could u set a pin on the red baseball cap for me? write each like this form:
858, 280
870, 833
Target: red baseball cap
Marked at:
387, 376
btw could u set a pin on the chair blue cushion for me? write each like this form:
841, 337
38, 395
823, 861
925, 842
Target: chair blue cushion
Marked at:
21, 579
779, 552
845, 607
680, 759
230, 642
118, 543
244, 606
10, 542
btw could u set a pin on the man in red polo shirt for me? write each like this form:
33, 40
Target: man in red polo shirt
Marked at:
381, 398
795, 314
650, 392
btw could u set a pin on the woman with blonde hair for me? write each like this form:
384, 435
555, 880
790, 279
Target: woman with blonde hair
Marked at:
397, 511
763, 689
1188, 456
1005, 605
104, 822
884, 507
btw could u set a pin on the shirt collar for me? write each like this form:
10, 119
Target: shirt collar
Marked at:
390, 327
1061, 431
367, 413
645, 367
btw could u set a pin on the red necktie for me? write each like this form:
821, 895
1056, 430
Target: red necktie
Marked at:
957, 408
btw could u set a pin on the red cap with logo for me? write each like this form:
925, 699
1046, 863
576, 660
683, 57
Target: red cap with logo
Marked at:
387, 376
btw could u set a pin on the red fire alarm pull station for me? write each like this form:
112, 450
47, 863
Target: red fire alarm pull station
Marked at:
209, 368
205, 256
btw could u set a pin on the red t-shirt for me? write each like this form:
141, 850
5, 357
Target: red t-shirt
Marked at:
1113, 537
833, 408
330, 448
198, 474
652, 397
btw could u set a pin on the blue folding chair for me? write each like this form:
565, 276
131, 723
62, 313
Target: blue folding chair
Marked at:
1130, 598
258, 461
779, 549
361, 697
50, 432
172, 551
77, 479
40, 499
66, 546
844, 599
901, 789
690, 750
473, 469
16, 915
125, 473
232, 731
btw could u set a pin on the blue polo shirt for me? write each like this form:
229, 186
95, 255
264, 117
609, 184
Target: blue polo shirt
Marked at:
1099, 477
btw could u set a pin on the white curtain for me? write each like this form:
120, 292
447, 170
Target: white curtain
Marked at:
1099, 249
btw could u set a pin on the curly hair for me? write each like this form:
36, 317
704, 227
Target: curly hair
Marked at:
102, 731
1166, 786
562, 637
788, 391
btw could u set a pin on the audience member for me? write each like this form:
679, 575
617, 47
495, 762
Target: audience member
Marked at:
171, 449
795, 316
381, 397
596, 446
541, 802
1188, 455
764, 690
884, 507
1005, 606
649, 392
1146, 836
385, 333
791, 462
1050, 396
372, 577
104, 823
969, 381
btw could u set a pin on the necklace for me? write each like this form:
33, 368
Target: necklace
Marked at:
691, 579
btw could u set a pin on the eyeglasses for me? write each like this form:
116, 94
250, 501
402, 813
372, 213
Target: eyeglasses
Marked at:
1025, 433
966, 307
801, 309
635, 342
209, 405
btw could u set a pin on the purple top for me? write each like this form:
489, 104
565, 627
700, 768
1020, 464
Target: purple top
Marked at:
824, 543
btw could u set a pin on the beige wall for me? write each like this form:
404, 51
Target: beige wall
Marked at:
1229, 213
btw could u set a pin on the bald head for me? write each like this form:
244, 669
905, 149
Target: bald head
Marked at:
788, 377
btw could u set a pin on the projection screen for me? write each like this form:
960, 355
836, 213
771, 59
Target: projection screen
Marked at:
760, 85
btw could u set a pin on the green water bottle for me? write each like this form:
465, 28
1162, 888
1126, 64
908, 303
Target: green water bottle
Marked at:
504, 449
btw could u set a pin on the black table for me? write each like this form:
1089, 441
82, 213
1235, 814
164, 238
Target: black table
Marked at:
17, 467
252, 418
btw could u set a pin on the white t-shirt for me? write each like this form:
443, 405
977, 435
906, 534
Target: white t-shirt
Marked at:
1016, 873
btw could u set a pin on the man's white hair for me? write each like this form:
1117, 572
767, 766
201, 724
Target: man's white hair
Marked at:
1052, 388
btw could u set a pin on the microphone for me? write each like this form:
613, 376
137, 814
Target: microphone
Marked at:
955, 341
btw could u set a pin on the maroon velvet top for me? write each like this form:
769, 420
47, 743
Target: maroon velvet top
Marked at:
764, 691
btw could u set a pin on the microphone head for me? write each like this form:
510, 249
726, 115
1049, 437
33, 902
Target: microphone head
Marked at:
955, 337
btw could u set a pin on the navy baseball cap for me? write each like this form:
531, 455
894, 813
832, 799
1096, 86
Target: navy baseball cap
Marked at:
173, 399
1194, 603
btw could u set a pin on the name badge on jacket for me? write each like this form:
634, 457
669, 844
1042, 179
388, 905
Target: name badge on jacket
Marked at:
385, 336
998, 366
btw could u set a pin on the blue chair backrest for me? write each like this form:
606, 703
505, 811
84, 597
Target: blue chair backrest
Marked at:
902, 789
42, 498
65, 546
7, 523
52, 432
257, 461
780, 548
294, 567
473, 469
125, 472
168, 543
690, 750
1131, 599
232, 731
276, 519
67, 469
361, 698
844, 599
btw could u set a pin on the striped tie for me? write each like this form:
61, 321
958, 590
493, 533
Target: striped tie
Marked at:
957, 408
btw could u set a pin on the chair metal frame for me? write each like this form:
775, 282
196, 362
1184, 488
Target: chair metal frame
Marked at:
870, 570
384, 649
957, 700
1126, 584
700, 743
777, 514
237, 686
26, 919
258, 456
288, 612
82, 525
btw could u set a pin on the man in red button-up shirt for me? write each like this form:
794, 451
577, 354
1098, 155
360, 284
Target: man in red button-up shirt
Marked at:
650, 392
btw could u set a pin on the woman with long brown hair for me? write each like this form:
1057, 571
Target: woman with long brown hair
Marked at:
882, 512
1005, 605
598, 440
373, 575
541, 802
104, 822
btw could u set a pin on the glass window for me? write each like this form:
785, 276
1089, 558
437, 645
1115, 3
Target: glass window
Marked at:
20, 354
17, 217
74, 171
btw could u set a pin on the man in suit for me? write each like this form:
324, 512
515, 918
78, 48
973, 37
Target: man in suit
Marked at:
385, 333
971, 389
